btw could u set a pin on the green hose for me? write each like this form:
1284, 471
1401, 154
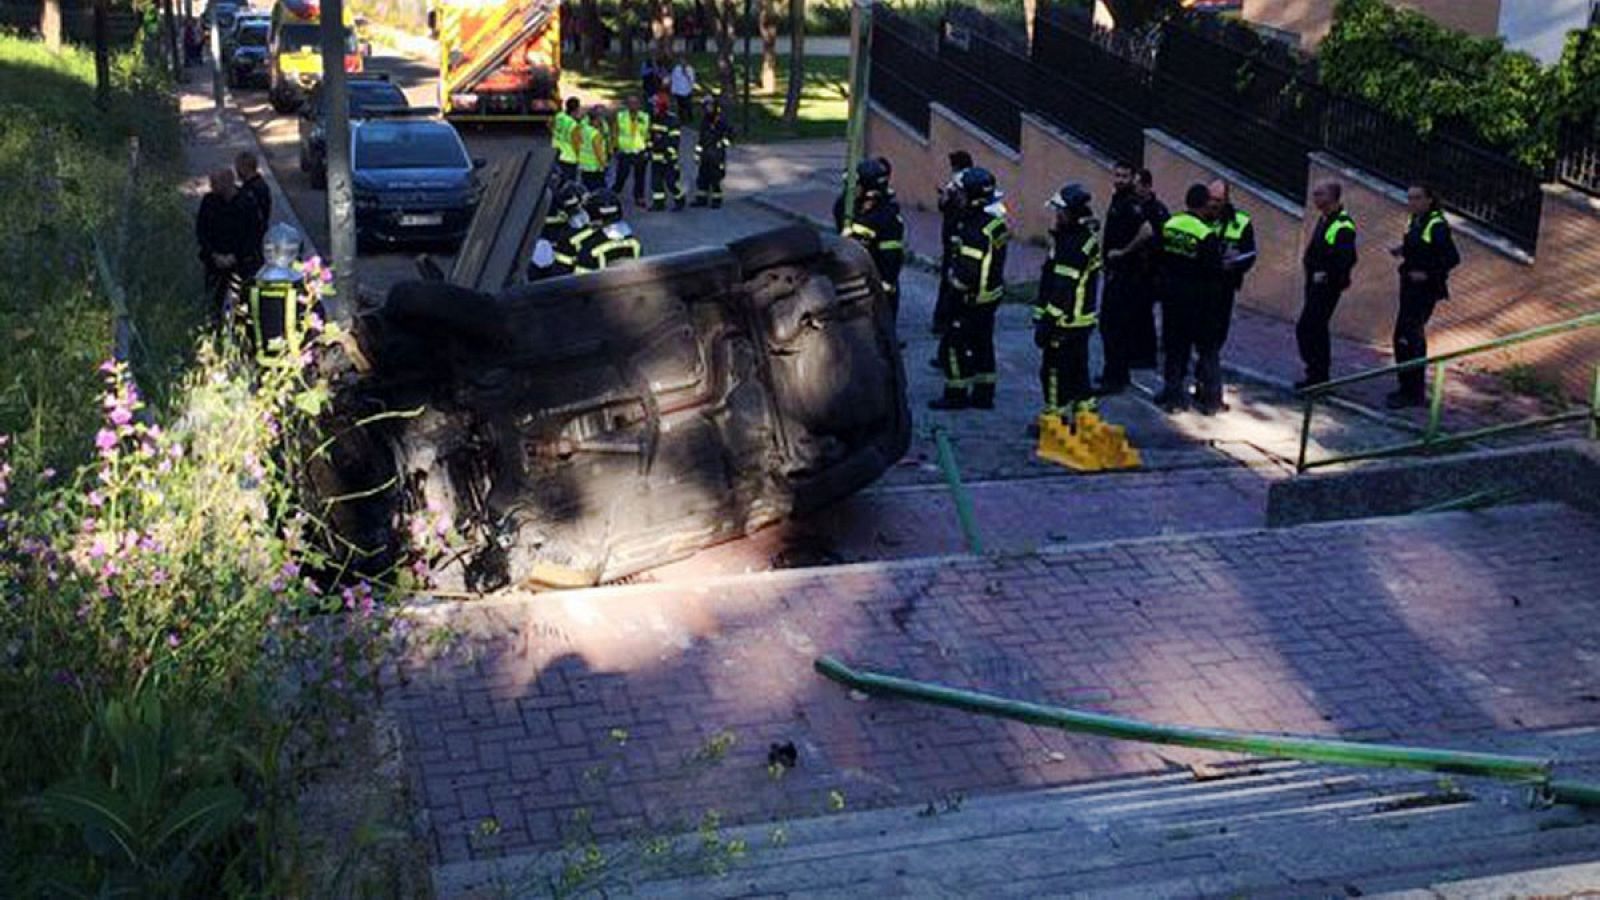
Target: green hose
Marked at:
958, 491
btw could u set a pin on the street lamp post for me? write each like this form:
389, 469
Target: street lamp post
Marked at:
341, 199
860, 69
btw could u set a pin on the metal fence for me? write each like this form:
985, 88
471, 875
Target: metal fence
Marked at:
903, 56
1096, 93
1578, 164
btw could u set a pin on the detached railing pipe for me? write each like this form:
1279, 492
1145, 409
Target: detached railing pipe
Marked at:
958, 491
1521, 769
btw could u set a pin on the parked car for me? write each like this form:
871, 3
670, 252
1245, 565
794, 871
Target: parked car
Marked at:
246, 55
367, 93
412, 178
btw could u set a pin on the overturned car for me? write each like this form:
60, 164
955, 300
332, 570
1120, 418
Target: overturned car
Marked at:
586, 428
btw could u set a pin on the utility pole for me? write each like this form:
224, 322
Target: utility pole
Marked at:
341, 198
860, 68
749, 26
216, 64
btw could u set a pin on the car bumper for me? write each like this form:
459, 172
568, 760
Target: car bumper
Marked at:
412, 225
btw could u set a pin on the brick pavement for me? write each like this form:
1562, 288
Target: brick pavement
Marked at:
1446, 629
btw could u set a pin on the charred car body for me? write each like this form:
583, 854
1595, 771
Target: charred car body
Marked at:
589, 427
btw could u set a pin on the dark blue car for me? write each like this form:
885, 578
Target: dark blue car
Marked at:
413, 180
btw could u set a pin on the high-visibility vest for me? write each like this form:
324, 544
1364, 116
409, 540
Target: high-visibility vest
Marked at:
1232, 231
591, 148
561, 137
1182, 235
1434, 219
1341, 222
633, 130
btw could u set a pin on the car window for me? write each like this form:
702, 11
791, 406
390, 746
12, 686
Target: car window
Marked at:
298, 36
408, 145
254, 36
366, 96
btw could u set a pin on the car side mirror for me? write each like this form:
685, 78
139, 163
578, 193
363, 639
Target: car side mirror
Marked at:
479, 162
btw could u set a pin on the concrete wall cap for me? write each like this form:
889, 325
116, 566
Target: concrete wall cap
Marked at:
1285, 205
1573, 197
1080, 147
1397, 195
989, 140
895, 120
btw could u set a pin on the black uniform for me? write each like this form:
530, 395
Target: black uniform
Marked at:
227, 228
1328, 260
559, 232
1238, 236
603, 246
879, 228
976, 278
1426, 257
666, 136
1127, 321
1064, 315
261, 197
950, 209
1192, 285
711, 155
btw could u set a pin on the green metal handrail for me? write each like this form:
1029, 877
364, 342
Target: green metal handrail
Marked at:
1432, 439
1520, 769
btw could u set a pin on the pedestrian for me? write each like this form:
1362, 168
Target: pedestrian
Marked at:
681, 81
633, 140
1427, 254
1238, 235
1191, 258
950, 209
838, 202
878, 226
594, 149
555, 252
711, 155
1330, 256
564, 136
247, 168
1131, 237
1064, 313
605, 240
225, 229
649, 76
977, 275
193, 42
666, 145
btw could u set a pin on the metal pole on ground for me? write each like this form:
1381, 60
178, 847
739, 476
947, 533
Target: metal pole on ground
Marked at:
860, 68
341, 199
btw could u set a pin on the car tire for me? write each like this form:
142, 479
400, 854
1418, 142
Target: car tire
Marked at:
785, 246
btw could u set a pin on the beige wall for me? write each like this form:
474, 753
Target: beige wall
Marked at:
1311, 19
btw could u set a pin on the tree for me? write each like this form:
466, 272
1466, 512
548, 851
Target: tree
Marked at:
50, 25
662, 25
727, 21
627, 15
589, 34
769, 46
102, 53
797, 61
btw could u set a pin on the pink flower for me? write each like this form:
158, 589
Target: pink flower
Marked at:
172, 640
105, 439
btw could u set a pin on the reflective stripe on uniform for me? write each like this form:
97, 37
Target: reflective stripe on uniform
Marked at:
1435, 219
1341, 222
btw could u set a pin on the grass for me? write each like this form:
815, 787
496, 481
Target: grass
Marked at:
824, 100
63, 182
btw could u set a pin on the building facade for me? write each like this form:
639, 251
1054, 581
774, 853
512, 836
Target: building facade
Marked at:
1538, 27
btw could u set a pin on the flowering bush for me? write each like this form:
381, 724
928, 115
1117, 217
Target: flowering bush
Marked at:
163, 644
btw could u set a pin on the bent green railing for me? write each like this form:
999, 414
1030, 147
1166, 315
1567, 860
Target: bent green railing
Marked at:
1432, 439
1537, 773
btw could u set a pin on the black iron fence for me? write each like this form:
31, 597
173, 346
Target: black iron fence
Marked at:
1578, 164
903, 57
1102, 94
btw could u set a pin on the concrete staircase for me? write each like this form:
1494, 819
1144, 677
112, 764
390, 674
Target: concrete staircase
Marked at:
1248, 829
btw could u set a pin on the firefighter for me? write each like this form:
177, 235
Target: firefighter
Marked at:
1064, 314
563, 135
950, 208
593, 146
1426, 254
633, 139
1192, 268
554, 253
1238, 235
711, 156
277, 300
877, 225
1329, 257
976, 276
605, 239
666, 141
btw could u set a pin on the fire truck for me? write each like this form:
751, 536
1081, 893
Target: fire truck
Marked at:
499, 60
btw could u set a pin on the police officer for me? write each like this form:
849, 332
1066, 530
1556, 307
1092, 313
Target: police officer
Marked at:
877, 225
1132, 235
711, 155
1427, 254
555, 253
666, 139
976, 276
1233, 227
1192, 267
633, 138
594, 150
1064, 313
605, 240
1329, 257
564, 137
950, 206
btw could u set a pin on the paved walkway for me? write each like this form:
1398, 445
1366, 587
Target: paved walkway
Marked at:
652, 705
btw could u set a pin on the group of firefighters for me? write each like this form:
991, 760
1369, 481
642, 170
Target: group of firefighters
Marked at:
1192, 264
584, 231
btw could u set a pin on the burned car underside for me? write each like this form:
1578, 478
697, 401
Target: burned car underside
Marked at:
586, 428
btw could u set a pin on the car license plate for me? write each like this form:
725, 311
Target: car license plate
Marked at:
421, 221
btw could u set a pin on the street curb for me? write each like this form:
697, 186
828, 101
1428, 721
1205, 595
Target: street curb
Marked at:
925, 263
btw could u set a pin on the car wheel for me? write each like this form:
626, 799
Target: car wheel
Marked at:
785, 246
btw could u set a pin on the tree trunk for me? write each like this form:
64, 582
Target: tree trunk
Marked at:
769, 46
169, 22
662, 26
797, 61
727, 21
589, 35
627, 10
102, 53
50, 25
